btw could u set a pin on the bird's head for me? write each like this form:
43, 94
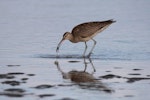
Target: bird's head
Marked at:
66, 36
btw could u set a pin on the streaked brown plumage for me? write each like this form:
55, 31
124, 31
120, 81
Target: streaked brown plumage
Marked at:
85, 32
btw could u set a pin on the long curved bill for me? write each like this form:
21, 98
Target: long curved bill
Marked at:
57, 49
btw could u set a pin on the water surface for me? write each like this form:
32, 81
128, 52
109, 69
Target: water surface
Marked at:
30, 31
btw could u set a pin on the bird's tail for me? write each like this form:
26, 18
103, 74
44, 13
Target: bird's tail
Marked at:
112, 21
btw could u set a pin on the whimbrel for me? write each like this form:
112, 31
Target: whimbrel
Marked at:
85, 32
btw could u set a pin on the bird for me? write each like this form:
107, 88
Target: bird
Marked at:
85, 32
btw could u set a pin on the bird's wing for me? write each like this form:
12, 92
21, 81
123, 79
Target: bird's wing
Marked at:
88, 29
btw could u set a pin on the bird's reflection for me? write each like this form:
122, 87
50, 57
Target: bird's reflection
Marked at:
84, 79
90, 61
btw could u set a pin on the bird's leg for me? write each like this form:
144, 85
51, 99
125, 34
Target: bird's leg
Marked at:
85, 50
94, 70
92, 48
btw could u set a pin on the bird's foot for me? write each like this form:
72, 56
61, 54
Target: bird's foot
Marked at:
84, 56
89, 55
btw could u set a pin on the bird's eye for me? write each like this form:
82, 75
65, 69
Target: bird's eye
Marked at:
64, 35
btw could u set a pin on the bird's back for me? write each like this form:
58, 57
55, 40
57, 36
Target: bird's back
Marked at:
90, 29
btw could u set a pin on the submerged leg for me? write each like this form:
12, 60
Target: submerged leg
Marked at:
92, 48
85, 49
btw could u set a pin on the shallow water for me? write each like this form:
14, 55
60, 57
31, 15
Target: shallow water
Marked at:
30, 31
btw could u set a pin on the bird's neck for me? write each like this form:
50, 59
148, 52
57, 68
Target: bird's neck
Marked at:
72, 39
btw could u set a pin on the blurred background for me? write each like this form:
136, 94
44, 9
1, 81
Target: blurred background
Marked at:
35, 27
